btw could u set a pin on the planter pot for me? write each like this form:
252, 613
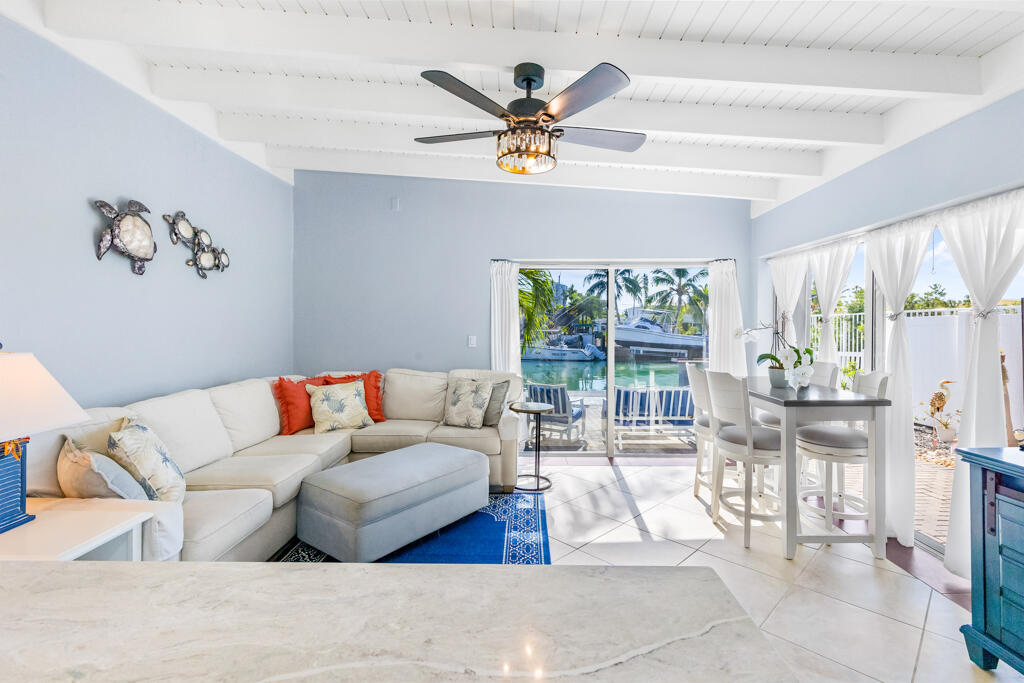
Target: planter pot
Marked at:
777, 377
945, 434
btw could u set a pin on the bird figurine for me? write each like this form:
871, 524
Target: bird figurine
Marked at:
937, 403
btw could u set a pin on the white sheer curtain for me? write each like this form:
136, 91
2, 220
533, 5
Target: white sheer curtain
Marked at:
986, 240
895, 256
505, 355
725, 319
830, 266
789, 273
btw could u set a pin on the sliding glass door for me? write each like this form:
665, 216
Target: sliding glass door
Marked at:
609, 347
563, 314
659, 331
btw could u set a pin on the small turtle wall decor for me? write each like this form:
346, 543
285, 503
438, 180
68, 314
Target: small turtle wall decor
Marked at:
205, 256
129, 233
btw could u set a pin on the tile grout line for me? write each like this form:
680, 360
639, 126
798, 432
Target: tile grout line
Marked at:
818, 654
920, 642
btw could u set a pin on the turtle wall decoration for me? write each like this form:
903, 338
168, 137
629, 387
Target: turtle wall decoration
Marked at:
205, 256
129, 233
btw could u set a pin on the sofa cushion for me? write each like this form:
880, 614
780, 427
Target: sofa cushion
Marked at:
248, 410
484, 440
217, 521
414, 395
330, 448
391, 435
368, 490
44, 448
190, 426
279, 474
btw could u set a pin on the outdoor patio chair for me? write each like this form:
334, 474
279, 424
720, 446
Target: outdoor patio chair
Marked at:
568, 421
657, 409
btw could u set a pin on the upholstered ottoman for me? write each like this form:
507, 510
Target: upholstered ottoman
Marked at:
364, 510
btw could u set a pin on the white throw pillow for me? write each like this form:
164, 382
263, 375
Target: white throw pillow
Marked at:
338, 406
84, 473
139, 450
467, 403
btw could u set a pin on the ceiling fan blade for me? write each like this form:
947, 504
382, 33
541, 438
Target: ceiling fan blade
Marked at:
455, 137
446, 81
619, 140
603, 81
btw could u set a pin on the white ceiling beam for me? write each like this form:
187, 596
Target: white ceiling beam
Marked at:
300, 132
439, 45
566, 174
229, 89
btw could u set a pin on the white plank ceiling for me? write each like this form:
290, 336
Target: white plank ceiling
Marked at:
748, 99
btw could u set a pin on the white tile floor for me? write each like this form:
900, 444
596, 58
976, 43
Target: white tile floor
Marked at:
833, 612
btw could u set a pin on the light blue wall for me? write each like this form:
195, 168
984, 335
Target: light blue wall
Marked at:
377, 288
68, 136
978, 154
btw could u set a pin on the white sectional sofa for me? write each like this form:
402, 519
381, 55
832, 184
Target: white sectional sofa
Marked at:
242, 476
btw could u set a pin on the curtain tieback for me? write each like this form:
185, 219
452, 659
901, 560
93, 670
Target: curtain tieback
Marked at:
895, 315
984, 313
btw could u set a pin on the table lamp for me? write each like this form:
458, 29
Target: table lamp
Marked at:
31, 401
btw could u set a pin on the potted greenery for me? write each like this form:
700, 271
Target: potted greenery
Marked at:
786, 364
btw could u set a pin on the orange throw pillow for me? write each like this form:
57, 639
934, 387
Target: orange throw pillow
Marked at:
374, 396
293, 401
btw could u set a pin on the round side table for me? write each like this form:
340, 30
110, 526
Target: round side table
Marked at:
542, 483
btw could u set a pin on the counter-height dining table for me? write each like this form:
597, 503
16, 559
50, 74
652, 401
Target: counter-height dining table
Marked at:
824, 404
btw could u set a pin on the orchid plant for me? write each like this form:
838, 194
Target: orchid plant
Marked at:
797, 363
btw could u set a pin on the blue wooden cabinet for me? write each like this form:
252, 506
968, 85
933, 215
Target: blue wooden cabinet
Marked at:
996, 630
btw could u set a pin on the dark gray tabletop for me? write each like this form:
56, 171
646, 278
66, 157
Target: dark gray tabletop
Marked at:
810, 396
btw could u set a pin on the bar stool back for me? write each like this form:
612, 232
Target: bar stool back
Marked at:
737, 437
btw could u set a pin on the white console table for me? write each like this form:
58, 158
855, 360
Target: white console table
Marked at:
63, 530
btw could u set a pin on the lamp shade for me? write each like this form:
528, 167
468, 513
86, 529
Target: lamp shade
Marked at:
31, 400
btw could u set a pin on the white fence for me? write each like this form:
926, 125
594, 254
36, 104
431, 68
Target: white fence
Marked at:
849, 333
939, 340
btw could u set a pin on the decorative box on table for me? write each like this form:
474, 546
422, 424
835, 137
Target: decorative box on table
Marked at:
12, 485
996, 630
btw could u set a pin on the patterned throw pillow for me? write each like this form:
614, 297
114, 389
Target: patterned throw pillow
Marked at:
339, 406
139, 450
467, 403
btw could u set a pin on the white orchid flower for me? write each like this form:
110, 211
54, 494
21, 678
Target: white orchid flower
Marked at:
800, 376
787, 357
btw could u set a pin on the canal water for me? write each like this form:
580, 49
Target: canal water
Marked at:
593, 376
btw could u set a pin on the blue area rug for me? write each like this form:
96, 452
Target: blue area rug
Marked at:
511, 529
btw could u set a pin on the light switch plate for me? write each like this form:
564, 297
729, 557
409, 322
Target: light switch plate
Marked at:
471, 341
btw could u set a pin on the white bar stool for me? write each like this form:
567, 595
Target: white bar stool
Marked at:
737, 437
832, 448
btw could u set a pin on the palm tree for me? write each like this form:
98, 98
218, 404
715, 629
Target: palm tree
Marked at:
681, 287
626, 282
536, 300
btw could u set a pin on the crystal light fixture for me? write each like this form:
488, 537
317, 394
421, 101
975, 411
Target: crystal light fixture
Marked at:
526, 150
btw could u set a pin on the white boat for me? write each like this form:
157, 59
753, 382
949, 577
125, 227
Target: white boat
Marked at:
564, 353
645, 334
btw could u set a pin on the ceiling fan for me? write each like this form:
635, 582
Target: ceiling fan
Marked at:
527, 144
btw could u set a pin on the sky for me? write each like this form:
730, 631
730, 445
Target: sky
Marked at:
938, 267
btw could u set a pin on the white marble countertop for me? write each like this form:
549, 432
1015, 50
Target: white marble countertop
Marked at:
359, 622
